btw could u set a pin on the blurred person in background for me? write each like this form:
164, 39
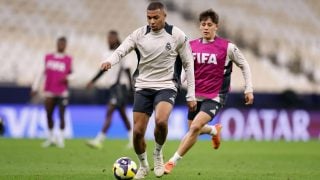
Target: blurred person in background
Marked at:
2, 126
56, 73
162, 51
213, 59
119, 93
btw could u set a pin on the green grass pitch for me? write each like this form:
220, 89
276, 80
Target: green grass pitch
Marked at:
25, 159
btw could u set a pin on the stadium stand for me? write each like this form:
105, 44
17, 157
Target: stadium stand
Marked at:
279, 38
29, 30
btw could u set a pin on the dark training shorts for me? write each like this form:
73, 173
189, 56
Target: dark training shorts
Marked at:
145, 100
60, 101
208, 106
118, 95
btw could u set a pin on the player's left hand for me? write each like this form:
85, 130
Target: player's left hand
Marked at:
64, 81
248, 97
192, 105
89, 85
33, 93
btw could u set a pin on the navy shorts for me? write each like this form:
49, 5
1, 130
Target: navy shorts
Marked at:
60, 101
208, 106
146, 99
118, 95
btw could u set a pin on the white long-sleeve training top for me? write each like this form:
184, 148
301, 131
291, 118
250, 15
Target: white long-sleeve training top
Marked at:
161, 55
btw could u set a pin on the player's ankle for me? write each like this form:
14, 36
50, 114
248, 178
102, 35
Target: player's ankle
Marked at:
213, 131
175, 158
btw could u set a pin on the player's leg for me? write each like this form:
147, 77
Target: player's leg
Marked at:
191, 116
97, 142
205, 112
62, 108
142, 110
208, 129
162, 111
164, 102
108, 120
212, 108
125, 119
213, 130
140, 122
188, 140
49, 105
191, 137
122, 99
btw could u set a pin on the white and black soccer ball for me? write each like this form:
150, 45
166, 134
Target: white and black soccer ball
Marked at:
124, 168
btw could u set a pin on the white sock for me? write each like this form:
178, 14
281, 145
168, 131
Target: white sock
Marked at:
157, 149
61, 134
130, 137
100, 137
213, 129
60, 137
50, 135
175, 158
143, 159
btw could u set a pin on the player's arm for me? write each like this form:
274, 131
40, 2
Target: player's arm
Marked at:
95, 78
128, 73
126, 65
185, 54
71, 74
238, 58
37, 82
125, 48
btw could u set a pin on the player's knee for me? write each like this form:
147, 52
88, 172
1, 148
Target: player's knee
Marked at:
161, 123
109, 114
137, 134
195, 128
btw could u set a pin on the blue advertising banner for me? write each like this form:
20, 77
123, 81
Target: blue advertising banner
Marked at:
25, 121
81, 122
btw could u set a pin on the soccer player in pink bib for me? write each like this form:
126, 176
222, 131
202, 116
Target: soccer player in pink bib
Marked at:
56, 72
213, 58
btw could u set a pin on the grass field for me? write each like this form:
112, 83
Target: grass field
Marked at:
25, 159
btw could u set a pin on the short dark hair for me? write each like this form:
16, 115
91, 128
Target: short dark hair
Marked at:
116, 44
113, 32
209, 14
155, 5
62, 38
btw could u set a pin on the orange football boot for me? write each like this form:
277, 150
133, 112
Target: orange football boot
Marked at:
168, 167
217, 138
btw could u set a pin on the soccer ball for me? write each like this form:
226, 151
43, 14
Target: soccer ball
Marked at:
124, 168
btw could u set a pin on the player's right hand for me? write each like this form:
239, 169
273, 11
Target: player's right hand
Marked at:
192, 105
105, 66
89, 85
33, 93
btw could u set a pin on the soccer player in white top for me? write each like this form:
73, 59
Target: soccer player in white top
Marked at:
162, 50
118, 93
